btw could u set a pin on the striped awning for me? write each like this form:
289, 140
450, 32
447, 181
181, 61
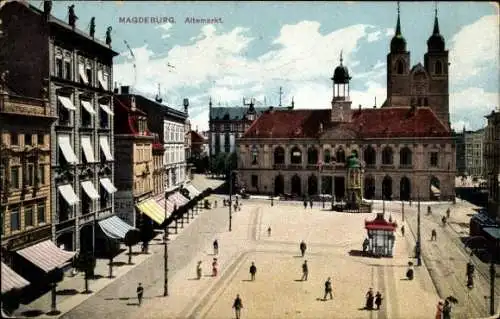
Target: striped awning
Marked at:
11, 280
435, 190
170, 204
153, 210
114, 227
178, 199
46, 255
193, 192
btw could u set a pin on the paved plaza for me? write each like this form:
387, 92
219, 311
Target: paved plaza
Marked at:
334, 240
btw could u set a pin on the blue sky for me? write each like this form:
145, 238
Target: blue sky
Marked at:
260, 46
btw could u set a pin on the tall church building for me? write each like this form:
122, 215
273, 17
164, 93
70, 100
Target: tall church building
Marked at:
405, 147
422, 85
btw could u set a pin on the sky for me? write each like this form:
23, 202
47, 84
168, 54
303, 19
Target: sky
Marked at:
253, 48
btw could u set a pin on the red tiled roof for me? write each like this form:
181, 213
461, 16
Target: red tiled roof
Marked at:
125, 117
366, 123
196, 138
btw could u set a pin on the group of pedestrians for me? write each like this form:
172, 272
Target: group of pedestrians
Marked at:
372, 300
310, 203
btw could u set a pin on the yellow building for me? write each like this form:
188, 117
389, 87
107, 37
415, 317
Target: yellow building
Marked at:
25, 193
134, 165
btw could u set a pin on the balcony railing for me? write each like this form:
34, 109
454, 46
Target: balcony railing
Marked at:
279, 166
295, 166
406, 166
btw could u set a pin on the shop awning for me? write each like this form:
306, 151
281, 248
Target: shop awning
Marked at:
435, 190
153, 210
108, 185
83, 75
100, 77
193, 192
106, 109
104, 143
178, 199
86, 105
66, 148
68, 194
114, 227
66, 102
46, 255
88, 150
11, 280
89, 188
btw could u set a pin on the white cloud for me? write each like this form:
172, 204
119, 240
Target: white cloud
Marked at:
165, 28
374, 36
389, 32
470, 106
474, 49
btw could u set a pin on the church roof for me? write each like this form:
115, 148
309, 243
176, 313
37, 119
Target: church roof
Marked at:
366, 123
236, 112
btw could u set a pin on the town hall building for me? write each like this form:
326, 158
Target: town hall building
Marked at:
405, 146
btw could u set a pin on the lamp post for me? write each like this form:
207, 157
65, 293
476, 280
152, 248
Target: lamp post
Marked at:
403, 209
418, 247
230, 198
165, 252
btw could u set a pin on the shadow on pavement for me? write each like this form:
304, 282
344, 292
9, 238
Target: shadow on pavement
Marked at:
298, 280
118, 263
195, 278
247, 280
67, 292
53, 313
297, 256
95, 277
133, 304
32, 313
358, 253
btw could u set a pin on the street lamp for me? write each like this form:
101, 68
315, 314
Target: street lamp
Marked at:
418, 246
165, 252
230, 198
403, 209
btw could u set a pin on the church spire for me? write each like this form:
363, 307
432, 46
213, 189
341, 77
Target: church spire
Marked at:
398, 23
341, 59
436, 22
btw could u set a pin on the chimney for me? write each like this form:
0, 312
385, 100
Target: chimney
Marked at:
359, 107
125, 89
185, 102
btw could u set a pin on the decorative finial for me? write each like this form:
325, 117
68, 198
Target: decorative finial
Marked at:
293, 102
398, 23
436, 8
436, 22
398, 8
341, 59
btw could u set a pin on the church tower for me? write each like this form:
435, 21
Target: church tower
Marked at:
436, 65
341, 102
398, 70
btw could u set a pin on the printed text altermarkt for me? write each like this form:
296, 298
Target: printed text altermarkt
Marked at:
194, 20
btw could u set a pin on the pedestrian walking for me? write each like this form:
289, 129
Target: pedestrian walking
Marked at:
328, 288
448, 213
140, 292
303, 248
269, 231
366, 243
305, 203
470, 274
369, 299
253, 271
447, 309
439, 310
214, 268
305, 271
311, 203
216, 247
433, 235
237, 305
215, 204
429, 211
378, 300
198, 270
403, 230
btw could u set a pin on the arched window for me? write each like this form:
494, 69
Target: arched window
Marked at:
279, 155
405, 157
296, 156
387, 156
255, 155
438, 67
369, 156
328, 156
312, 156
340, 155
400, 67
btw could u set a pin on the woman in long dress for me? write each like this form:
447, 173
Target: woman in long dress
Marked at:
439, 310
369, 299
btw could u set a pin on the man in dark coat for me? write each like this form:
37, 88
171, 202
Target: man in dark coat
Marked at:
378, 300
328, 288
303, 248
253, 270
305, 271
216, 247
237, 305
140, 292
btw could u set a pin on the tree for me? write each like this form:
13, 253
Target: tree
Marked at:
132, 237
86, 262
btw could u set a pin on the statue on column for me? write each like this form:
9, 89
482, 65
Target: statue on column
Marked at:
92, 27
108, 36
72, 16
47, 7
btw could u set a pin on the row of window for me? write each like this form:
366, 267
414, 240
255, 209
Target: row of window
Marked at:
32, 215
35, 175
369, 156
25, 139
438, 67
142, 185
66, 155
84, 75
143, 152
65, 115
174, 132
65, 210
174, 154
228, 127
